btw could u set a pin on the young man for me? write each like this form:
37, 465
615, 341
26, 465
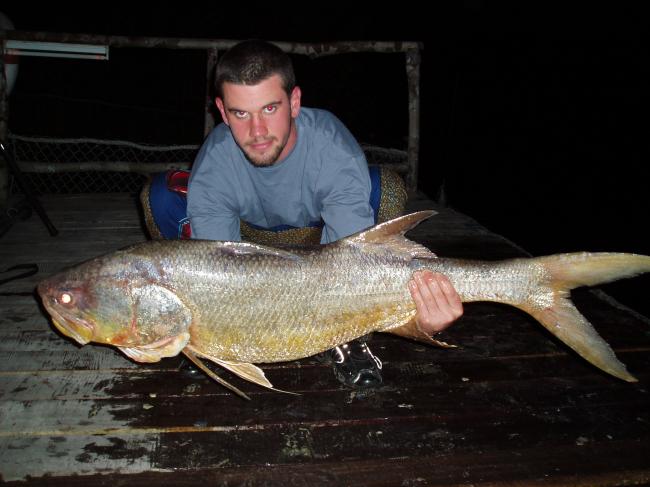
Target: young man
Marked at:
274, 164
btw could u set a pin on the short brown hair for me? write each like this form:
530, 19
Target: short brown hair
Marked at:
253, 61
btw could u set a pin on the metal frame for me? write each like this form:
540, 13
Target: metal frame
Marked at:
213, 46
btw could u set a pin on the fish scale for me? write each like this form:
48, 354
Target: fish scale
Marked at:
302, 310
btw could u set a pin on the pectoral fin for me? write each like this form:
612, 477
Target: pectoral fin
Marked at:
412, 330
158, 311
153, 352
190, 355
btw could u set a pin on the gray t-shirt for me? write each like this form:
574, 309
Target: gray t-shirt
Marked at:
325, 177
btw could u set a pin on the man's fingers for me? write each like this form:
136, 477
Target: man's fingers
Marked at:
436, 300
417, 296
428, 295
451, 296
438, 292
434, 285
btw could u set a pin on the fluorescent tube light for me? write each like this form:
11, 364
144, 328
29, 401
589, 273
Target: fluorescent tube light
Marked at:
56, 49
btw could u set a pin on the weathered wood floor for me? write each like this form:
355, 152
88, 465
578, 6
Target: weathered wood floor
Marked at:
513, 406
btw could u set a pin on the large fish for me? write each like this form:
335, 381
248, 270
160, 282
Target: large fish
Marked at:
237, 304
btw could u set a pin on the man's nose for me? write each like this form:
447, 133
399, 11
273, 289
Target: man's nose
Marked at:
258, 126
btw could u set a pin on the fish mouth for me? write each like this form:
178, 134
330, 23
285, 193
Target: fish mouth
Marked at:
74, 327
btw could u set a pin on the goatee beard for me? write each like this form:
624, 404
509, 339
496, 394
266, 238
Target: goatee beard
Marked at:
272, 158
267, 160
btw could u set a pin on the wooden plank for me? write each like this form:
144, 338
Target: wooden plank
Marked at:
287, 439
171, 378
100, 358
566, 465
54, 456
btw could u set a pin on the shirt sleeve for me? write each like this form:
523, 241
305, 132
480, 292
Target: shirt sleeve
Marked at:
211, 209
346, 200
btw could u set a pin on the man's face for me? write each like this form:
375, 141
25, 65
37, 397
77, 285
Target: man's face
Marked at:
261, 118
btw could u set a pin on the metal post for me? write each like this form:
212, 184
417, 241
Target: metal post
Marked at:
27, 190
413, 77
4, 118
213, 56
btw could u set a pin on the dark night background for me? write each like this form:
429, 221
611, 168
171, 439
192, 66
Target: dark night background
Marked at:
535, 118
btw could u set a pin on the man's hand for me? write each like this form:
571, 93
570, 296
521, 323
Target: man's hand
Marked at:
437, 302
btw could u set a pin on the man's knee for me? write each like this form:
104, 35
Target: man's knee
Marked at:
165, 209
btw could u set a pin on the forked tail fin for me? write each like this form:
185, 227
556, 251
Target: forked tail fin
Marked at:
568, 271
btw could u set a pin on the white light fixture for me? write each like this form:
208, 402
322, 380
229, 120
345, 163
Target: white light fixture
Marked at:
56, 49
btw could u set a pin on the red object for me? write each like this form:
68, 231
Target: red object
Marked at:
177, 180
186, 231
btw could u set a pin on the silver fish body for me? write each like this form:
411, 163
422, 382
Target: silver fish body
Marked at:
239, 303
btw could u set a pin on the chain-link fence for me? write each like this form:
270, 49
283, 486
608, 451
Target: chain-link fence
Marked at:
136, 108
92, 165
105, 166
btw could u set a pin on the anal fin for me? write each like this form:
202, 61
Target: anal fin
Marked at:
412, 331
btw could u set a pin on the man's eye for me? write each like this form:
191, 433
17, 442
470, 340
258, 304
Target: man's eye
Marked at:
270, 109
241, 114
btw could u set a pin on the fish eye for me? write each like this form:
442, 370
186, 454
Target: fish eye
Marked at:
65, 298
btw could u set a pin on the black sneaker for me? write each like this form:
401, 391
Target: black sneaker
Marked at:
355, 365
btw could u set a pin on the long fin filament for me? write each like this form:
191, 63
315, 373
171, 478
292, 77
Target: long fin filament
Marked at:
212, 375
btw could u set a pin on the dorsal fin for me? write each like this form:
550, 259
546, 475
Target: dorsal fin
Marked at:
390, 234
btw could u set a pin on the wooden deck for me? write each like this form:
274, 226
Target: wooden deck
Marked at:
513, 406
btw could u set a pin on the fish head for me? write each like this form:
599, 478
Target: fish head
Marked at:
116, 300
86, 302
